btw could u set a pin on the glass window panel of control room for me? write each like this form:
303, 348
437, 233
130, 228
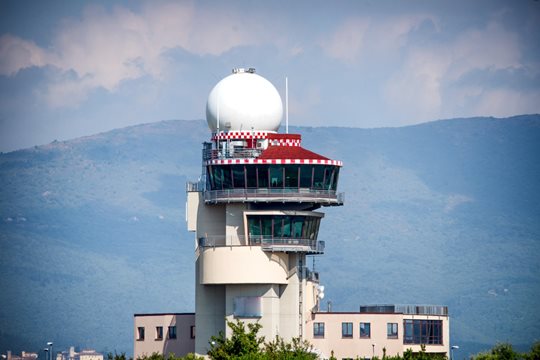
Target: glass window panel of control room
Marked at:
291, 176
251, 175
262, 175
318, 177
306, 173
239, 179
276, 176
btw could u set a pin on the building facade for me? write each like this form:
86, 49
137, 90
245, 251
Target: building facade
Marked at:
163, 333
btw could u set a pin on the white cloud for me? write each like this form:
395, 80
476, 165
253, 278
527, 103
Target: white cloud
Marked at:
367, 36
103, 48
346, 43
429, 84
17, 54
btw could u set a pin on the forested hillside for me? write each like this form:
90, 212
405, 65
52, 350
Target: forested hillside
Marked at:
92, 230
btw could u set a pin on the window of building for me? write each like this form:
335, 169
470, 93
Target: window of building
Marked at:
346, 329
247, 306
318, 329
192, 331
392, 330
140, 333
159, 332
365, 330
319, 177
422, 332
278, 228
171, 332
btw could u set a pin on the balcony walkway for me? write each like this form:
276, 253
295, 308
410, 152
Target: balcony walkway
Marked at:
309, 246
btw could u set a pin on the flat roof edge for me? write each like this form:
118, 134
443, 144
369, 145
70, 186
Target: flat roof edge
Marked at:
162, 314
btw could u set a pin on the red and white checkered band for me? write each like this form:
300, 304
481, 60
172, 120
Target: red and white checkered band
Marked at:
285, 142
274, 161
239, 135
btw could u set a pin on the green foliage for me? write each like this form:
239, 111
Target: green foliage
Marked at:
296, 349
238, 344
171, 356
245, 344
505, 351
116, 356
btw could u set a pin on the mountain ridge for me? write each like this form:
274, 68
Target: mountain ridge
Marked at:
92, 228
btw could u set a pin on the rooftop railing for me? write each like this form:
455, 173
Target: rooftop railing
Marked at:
213, 154
266, 243
330, 197
406, 309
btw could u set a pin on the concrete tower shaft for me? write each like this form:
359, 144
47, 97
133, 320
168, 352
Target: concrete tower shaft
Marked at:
253, 212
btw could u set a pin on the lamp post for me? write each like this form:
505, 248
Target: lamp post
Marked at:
50, 344
452, 351
46, 353
373, 347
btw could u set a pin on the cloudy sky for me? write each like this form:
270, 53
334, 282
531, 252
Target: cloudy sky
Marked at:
74, 68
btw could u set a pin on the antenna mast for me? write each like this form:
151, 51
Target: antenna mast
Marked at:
286, 105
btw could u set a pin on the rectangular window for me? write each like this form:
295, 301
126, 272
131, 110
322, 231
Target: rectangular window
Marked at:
247, 306
276, 176
159, 332
365, 330
422, 332
318, 329
140, 333
347, 329
192, 331
171, 333
392, 330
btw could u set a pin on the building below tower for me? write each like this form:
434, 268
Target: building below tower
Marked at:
373, 331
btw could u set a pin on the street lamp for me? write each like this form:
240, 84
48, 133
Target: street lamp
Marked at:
46, 353
50, 344
373, 346
452, 351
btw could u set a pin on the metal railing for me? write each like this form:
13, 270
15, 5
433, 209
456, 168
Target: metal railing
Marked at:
266, 243
281, 194
213, 154
194, 186
406, 309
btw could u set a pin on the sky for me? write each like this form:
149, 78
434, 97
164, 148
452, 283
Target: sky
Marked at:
76, 68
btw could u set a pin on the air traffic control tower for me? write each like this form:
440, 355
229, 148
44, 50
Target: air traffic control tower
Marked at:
254, 213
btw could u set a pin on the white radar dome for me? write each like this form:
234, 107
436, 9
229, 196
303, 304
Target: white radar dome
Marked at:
244, 101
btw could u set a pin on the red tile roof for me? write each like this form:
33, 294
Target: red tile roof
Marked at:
290, 152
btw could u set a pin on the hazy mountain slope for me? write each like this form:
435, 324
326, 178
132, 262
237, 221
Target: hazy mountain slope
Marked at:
448, 212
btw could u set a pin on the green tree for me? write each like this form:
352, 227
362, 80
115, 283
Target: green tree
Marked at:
239, 344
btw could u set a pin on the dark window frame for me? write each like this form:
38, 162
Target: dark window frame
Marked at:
140, 333
171, 332
390, 333
318, 330
345, 327
365, 332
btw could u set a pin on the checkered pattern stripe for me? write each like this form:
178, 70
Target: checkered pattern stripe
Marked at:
285, 142
236, 135
274, 161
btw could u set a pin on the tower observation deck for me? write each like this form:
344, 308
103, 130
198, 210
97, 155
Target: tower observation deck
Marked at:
254, 214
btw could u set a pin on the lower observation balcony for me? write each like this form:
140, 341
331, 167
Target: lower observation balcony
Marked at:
297, 195
274, 244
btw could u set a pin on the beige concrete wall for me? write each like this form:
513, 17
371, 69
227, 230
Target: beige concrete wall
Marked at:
270, 307
192, 205
288, 316
210, 219
363, 347
210, 312
182, 345
234, 224
242, 265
